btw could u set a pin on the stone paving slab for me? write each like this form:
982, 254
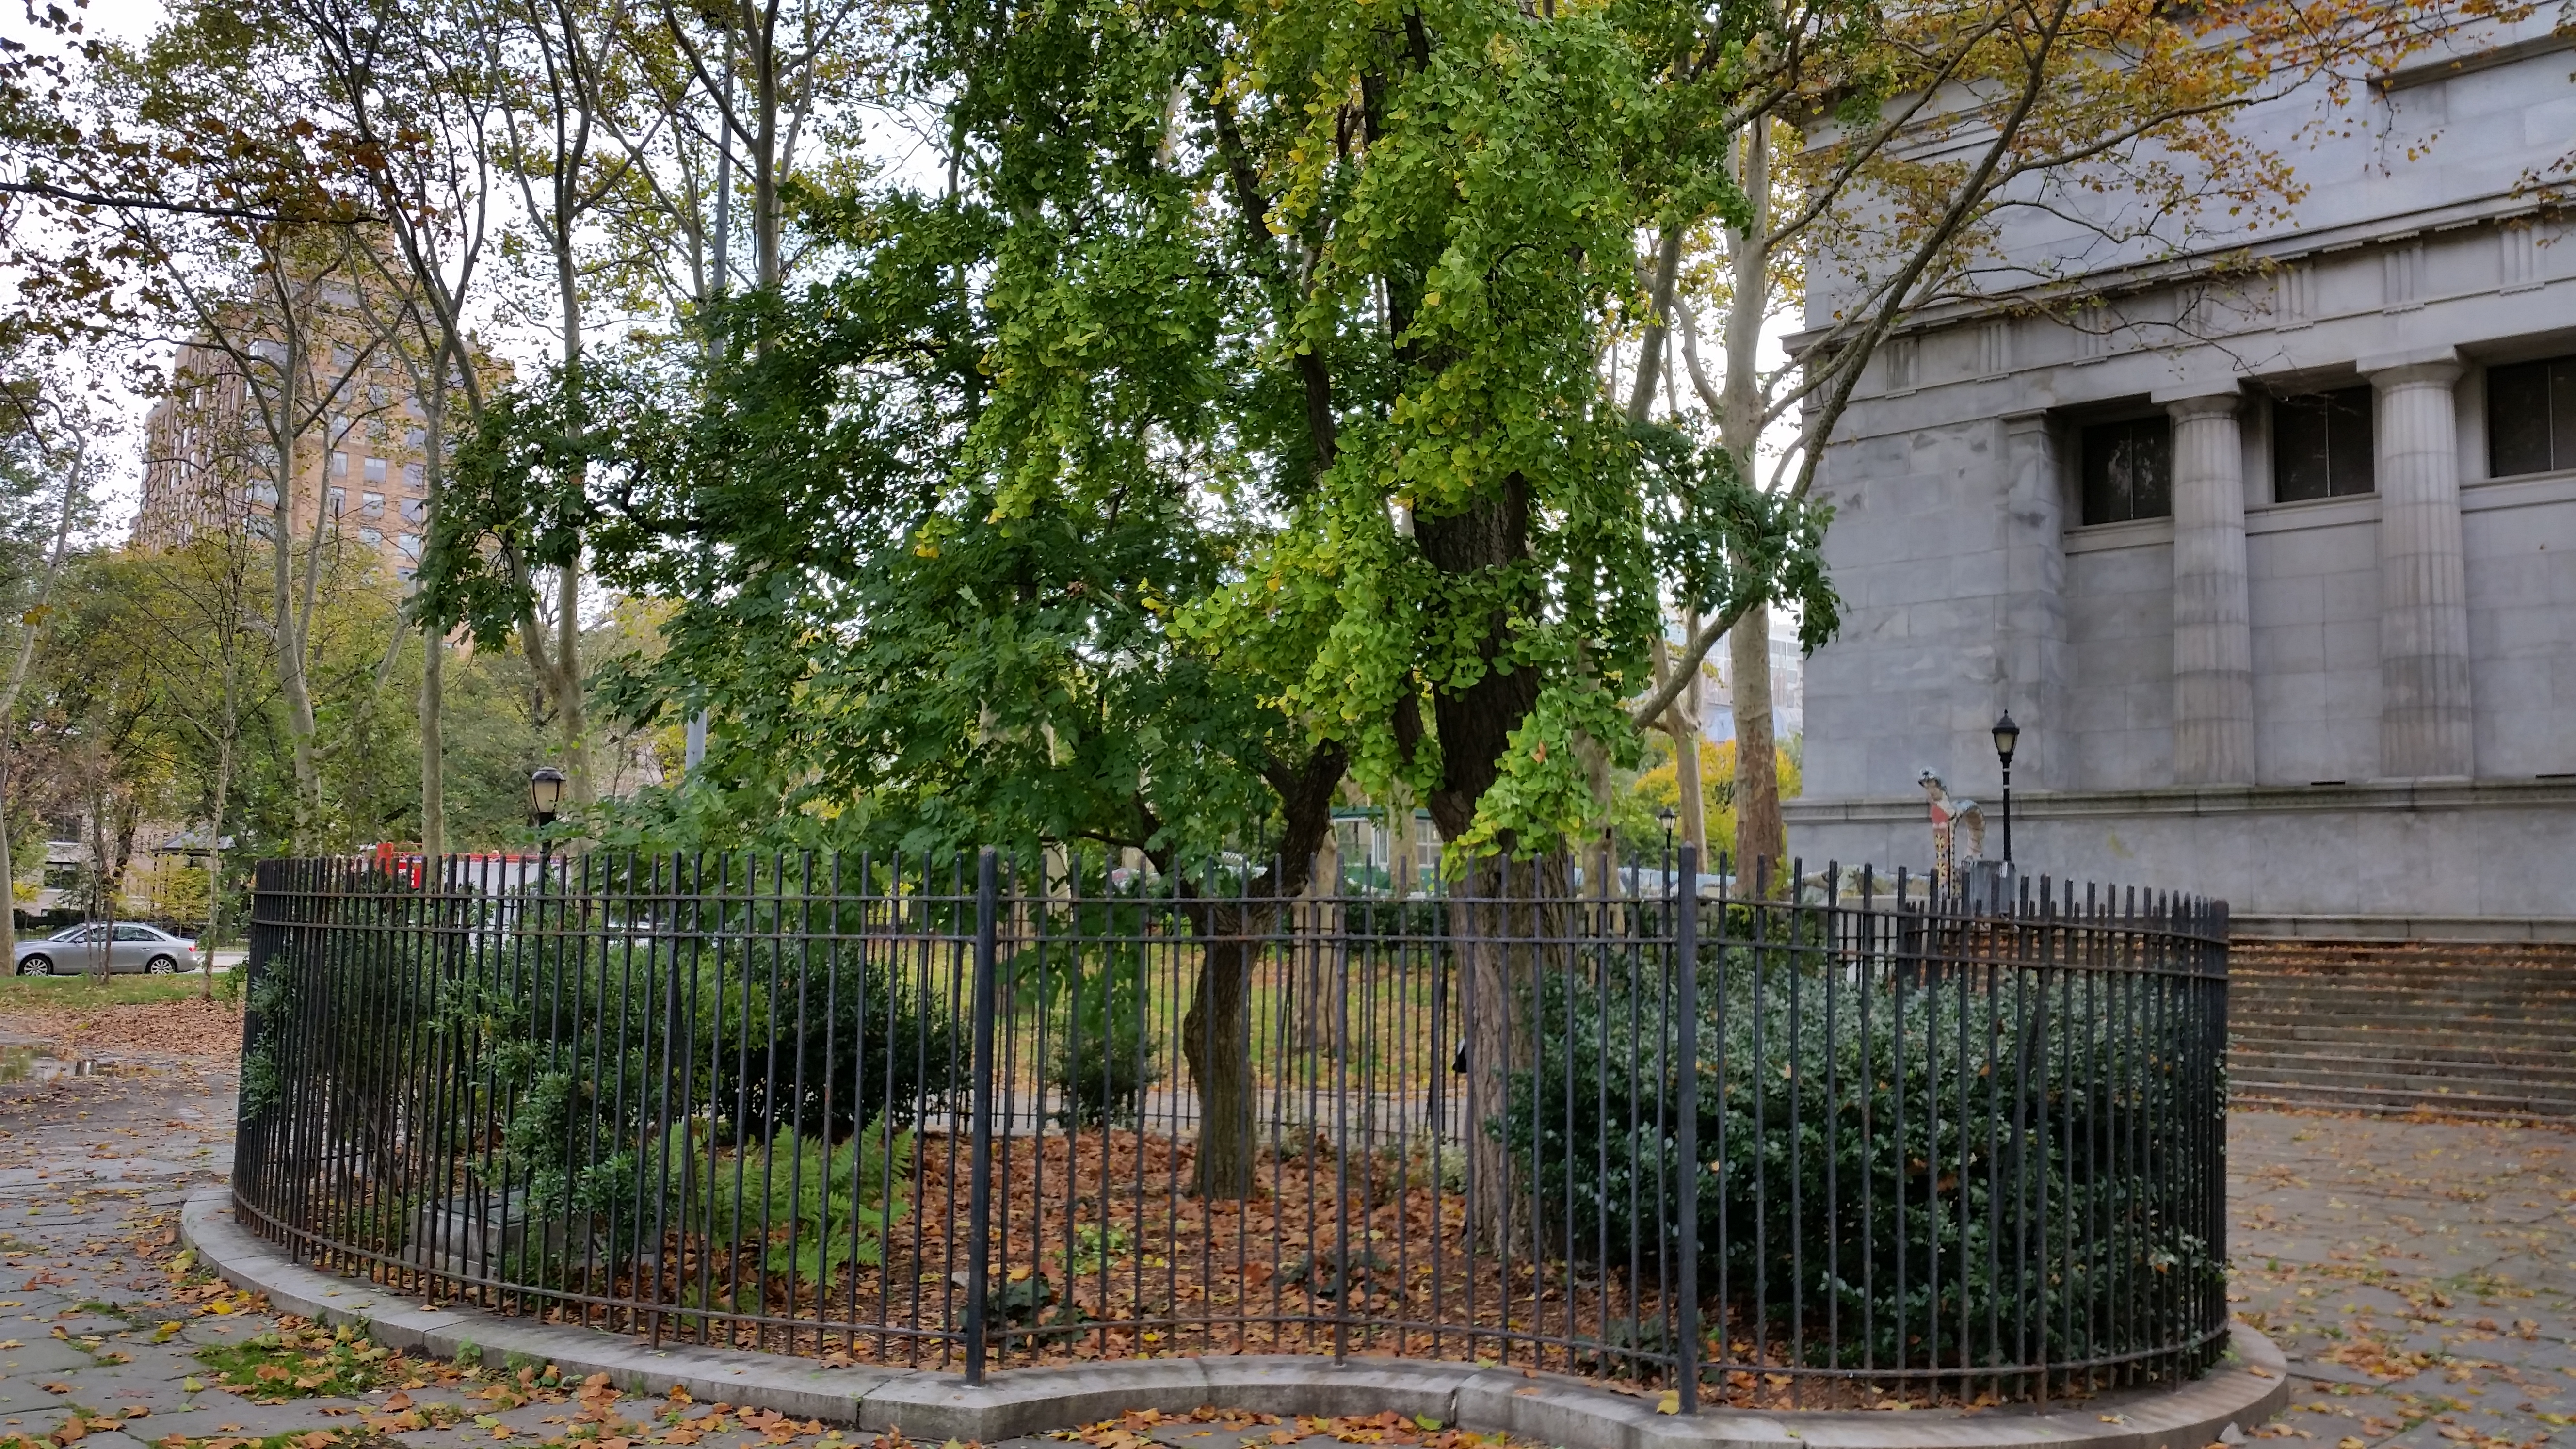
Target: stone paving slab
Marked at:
2420, 1275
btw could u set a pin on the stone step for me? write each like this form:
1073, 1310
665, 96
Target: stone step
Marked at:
2485, 1031
2260, 966
2479, 987
2363, 1003
2527, 1050
2263, 1016
2550, 981
2532, 977
2534, 1073
2559, 1100
2420, 1019
2240, 959
2377, 1024
2364, 1083
2258, 1095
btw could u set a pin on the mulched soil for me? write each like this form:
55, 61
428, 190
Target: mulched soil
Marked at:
1088, 1267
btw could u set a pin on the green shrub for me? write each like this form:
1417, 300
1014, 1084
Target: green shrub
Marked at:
1100, 1078
1103, 1058
2020, 1133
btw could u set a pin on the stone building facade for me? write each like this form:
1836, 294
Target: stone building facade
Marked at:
2272, 556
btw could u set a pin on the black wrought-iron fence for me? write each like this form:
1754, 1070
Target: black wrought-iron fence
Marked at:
956, 1113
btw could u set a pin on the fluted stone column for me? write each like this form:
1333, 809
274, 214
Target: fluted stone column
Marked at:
2213, 719
2425, 727
2034, 601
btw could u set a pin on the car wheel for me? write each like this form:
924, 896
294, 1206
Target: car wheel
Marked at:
36, 966
162, 966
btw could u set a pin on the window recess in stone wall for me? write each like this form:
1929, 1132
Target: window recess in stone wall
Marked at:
2322, 445
2531, 417
2127, 470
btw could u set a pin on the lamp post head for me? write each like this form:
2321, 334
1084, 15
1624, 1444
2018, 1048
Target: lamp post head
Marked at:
545, 793
2007, 735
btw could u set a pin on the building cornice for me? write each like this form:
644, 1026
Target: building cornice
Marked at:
2407, 77
2510, 204
2216, 800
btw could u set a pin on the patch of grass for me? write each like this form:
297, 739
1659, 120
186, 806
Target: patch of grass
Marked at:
18, 993
292, 1363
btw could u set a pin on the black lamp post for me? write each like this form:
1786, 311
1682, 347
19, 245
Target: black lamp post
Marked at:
545, 801
2007, 735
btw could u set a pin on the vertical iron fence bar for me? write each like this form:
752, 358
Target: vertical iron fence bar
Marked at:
1686, 1128
1864, 987
979, 1187
1796, 1067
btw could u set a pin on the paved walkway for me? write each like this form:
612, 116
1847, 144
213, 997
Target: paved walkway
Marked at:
2421, 1275
2425, 1275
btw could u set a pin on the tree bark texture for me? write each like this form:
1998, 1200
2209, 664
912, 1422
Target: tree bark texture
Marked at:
1216, 1032
1216, 1040
1760, 834
1683, 723
215, 849
1319, 954
1475, 722
433, 643
1507, 920
26, 656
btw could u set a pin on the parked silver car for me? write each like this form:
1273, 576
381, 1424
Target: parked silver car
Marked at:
127, 946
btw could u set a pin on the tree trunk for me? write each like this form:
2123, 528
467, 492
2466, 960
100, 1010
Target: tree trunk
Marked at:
288, 637
1504, 917
1475, 727
1760, 834
1682, 721
569, 713
17, 680
433, 643
102, 934
1401, 875
1216, 1039
1319, 985
568, 703
1475, 723
215, 853
1216, 1032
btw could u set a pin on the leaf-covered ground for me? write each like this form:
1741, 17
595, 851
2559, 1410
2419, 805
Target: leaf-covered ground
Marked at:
81, 1016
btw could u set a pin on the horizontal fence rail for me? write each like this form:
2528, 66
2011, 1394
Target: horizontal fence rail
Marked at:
1818, 1145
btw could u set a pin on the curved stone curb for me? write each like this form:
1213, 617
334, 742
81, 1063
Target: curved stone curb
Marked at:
2249, 1386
